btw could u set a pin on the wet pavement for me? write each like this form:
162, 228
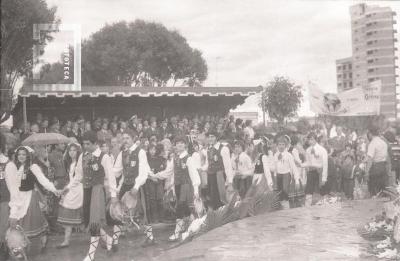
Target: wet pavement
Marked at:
317, 233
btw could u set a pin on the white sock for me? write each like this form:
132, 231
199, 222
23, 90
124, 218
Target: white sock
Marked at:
106, 238
116, 234
148, 231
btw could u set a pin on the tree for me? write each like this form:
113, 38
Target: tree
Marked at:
17, 20
140, 54
281, 99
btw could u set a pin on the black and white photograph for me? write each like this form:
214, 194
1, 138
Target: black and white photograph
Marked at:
199, 130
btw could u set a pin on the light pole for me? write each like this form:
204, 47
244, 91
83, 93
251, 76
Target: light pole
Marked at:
216, 70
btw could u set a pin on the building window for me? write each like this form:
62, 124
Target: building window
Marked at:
344, 76
350, 84
345, 85
340, 84
370, 52
339, 67
350, 75
370, 61
344, 67
371, 70
339, 76
350, 66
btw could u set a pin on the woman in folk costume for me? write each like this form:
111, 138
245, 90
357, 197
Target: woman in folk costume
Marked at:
286, 170
262, 166
24, 201
297, 188
7, 168
95, 165
199, 157
133, 165
186, 184
69, 212
243, 168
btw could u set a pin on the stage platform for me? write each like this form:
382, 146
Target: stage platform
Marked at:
317, 233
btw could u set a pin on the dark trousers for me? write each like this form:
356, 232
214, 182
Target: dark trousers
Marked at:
184, 196
377, 178
312, 185
87, 197
348, 188
213, 191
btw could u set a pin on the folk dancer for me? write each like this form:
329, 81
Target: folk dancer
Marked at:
317, 168
186, 182
243, 168
286, 170
95, 166
133, 165
24, 199
7, 168
69, 212
219, 170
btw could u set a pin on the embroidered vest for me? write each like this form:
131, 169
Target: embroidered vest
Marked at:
4, 193
259, 167
214, 158
130, 164
181, 172
93, 171
156, 164
28, 181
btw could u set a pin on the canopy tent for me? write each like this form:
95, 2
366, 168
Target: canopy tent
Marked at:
107, 101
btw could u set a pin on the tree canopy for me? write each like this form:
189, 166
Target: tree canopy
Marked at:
140, 54
281, 98
17, 20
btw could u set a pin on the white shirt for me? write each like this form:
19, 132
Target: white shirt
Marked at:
377, 149
285, 164
144, 168
318, 160
74, 197
242, 164
226, 160
20, 200
106, 162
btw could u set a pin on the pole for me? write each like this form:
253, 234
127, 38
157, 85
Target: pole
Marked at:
24, 113
263, 105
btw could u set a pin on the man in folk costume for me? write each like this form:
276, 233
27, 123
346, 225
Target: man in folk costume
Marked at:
219, 170
317, 168
7, 168
286, 170
95, 165
133, 165
186, 185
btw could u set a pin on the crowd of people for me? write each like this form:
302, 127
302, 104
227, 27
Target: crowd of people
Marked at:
171, 163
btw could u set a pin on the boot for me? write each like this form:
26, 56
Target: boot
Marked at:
115, 238
148, 232
178, 230
308, 201
94, 242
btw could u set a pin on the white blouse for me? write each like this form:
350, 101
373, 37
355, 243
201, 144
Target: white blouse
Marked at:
20, 200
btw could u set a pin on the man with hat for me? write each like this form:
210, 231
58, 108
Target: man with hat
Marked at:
186, 185
219, 169
133, 165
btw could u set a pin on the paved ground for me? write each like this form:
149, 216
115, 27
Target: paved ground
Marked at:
316, 233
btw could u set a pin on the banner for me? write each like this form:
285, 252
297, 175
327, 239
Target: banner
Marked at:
354, 102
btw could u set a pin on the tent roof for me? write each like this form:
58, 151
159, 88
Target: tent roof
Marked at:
126, 91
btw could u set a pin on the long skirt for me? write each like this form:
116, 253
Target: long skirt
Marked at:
94, 208
283, 184
69, 217
34, 223
4, 213
296, 194
313, 181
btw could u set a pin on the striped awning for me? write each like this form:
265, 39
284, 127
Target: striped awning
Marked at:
126, 91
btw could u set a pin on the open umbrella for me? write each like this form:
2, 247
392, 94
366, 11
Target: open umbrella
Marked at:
45, 139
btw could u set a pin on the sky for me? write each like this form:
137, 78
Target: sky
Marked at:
245, 43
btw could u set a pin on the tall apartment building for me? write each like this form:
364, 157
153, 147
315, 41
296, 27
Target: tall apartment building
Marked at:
344, 74
373, 53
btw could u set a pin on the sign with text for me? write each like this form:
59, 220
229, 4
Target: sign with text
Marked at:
354, 102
